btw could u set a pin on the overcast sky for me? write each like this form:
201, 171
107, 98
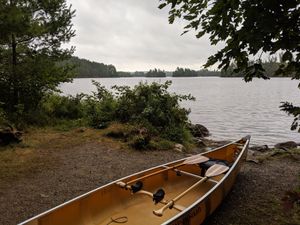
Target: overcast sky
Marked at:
134, 35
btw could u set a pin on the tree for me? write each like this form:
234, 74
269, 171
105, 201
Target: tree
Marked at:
156, 73
31, 37
184, 72
248, 28
87, 69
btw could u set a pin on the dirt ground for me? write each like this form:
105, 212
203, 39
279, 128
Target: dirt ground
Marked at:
50, 168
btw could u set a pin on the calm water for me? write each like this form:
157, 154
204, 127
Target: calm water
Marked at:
228, 107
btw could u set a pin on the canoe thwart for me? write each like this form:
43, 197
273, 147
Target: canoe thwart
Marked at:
195, 159
182, 172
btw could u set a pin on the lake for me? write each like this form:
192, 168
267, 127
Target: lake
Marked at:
228, 107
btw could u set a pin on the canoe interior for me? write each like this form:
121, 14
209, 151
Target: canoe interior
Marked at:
109, 202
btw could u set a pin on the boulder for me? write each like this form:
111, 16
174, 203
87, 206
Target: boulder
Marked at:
286, 145
179, 148
259, 148
200, 143
198, 130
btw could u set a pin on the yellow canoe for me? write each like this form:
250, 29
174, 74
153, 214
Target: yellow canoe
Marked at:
133, 203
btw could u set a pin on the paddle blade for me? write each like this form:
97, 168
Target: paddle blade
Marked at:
216, 170
195, 159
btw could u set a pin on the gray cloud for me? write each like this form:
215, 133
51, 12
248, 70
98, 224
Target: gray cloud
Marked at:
134, 35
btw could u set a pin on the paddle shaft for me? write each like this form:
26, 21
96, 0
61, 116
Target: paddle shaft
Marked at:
212, 171
191, 160
172, 202
154, 173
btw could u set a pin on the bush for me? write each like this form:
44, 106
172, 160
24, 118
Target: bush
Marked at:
152, 106
148, 110
146, 105
62, 107
100, 107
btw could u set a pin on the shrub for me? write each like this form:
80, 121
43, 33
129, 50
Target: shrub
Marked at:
152, 106
100, 107
63, 107
146, 105
2, 116
140, 142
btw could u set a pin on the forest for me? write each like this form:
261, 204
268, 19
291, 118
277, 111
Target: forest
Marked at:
84, 68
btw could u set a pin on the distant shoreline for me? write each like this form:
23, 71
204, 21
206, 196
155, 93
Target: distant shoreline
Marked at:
166, 77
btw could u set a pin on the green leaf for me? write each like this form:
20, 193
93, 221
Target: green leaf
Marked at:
287, 56
162, 5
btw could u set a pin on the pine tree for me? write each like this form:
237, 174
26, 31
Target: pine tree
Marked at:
31, 36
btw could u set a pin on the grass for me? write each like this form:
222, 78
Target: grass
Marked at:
25, 157
277, 153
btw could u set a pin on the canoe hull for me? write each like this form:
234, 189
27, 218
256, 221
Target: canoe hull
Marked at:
95, 207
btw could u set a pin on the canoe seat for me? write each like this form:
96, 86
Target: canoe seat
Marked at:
205, 165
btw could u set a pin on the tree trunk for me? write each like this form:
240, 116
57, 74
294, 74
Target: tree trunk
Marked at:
14, 98
14, 80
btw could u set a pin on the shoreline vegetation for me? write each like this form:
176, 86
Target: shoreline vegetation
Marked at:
88, 69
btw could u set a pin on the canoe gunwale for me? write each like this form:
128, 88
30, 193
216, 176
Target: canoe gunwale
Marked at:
145, 171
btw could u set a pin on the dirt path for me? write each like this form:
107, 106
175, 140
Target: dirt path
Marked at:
49, 175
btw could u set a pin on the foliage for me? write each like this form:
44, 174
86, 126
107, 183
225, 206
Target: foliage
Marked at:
87, 69
270, 66
124, 74
156, 73
292, 110
62, 107
148, 111
2, 116
146, 105
248, 29
208, 73
100, 107
154, 107
184, 72
31, 35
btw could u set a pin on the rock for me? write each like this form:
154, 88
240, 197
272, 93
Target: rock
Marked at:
200, 143
179, 148
286, 145
102, 125
251, 153
198, 130
259, 148
251, 157
44, 196
80, 130
143, 131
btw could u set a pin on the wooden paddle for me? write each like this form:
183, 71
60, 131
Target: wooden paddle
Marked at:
190, 160
212, 171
